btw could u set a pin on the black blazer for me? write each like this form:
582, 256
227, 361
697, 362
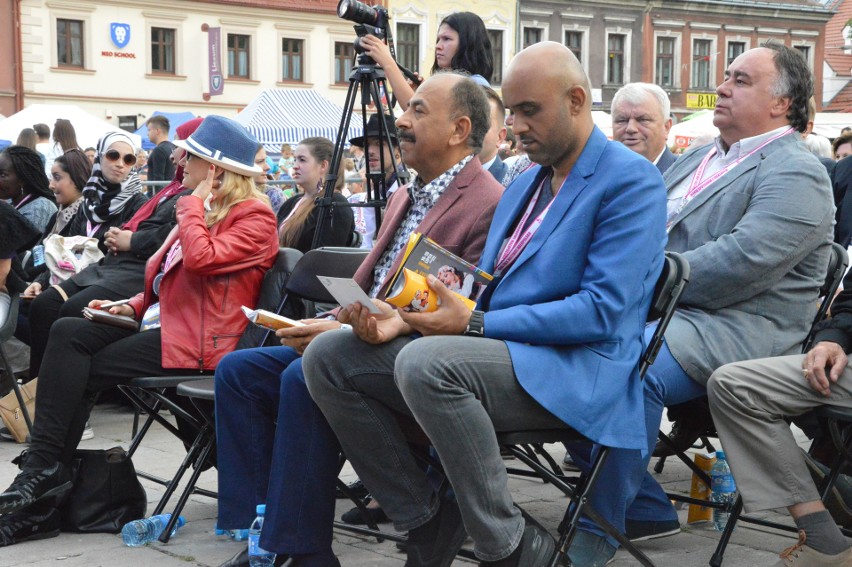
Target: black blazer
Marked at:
337, 233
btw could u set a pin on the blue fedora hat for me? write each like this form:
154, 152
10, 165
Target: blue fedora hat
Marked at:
225, 143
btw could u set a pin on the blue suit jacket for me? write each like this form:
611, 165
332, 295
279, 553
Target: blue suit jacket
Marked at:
572, 307
666, 160
498, 169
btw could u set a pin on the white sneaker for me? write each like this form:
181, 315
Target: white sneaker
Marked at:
88, 433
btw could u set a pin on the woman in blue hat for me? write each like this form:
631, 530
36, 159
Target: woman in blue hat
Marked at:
211, 263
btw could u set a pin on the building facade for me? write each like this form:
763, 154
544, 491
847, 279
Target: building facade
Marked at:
126, 58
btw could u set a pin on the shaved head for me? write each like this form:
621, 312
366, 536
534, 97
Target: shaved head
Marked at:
549, 99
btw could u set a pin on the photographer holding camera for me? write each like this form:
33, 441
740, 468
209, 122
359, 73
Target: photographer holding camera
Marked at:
462, 44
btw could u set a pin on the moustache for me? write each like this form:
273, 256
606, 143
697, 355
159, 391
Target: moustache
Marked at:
406, 137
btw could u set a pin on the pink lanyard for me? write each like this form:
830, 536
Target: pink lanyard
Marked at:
696, 186
91, 229
521, 237
23, 201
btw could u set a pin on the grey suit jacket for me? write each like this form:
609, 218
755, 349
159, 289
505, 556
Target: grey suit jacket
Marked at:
758, 242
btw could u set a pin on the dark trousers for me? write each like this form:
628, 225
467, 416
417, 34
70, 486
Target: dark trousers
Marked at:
81, 359
275, 448
50, 306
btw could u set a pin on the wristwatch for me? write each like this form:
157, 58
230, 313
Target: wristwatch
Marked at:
476, 324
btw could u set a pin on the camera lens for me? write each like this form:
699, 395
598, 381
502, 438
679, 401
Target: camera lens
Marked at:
358, 12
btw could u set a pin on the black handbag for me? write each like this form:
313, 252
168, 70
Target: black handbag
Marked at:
106, 493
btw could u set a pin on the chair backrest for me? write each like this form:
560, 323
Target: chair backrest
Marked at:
7, 327
670, 286
838, 261
336, 262
271, 292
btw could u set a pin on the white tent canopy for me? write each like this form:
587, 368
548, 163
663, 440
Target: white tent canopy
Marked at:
89, 128
287, 116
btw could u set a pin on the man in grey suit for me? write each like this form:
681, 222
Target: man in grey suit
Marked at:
495, 136
753, 214
641, 121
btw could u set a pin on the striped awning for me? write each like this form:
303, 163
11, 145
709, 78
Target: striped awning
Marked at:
287, 116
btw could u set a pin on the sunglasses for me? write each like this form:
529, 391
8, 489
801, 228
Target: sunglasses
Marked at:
115, 155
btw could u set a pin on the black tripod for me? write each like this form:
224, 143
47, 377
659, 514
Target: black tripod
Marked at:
371, 81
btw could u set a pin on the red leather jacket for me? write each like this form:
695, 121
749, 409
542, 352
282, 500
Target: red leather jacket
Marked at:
201, 293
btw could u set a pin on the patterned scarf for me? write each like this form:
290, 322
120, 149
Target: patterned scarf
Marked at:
64, 216
104, 199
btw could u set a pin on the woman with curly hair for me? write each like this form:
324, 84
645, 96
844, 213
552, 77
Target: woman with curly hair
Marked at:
24, 184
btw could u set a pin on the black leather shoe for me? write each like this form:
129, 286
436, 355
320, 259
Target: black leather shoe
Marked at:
241, 559
440, 550
38, 521
355, 517
685, 432
35, 485
536, 549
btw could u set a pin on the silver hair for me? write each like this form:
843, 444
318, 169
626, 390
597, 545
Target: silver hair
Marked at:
635, 93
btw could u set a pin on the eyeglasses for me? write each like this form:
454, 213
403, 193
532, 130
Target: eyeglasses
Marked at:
115, 155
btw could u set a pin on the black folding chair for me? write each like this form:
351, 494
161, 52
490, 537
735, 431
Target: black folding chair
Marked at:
838, 261
152, 394
301, 285
7, 330
670, 286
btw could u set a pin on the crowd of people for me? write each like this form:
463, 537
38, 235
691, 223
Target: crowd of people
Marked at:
575, 243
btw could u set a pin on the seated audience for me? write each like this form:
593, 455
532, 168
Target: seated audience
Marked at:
291, 465
17, 235
751, 402
841, 146
298, 216
68, 178
578, 238
752, 213
225, 232
274, 193
489, 156
24, 184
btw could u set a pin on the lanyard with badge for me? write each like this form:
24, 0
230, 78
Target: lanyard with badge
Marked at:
523, 234
696, 186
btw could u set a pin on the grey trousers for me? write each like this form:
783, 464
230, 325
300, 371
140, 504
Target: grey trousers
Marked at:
749, 401
460, 390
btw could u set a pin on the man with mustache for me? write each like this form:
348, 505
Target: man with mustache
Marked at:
753, 214
576, 247
293, 456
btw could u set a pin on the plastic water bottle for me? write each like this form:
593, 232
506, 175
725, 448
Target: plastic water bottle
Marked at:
38, 255
724, 490
140, 532
258, 557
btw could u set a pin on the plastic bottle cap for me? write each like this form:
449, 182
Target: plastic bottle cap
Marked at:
720, 454
261, 508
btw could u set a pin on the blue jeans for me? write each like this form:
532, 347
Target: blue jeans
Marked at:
274, 448
625, 489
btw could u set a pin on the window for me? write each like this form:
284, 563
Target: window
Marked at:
701, 63
496, 37
805, 50
69, 43
735, 49
343, 54
615, 59
531, 36
665, 61
239, 55
408, 46
291, 59
163, 50
574, 42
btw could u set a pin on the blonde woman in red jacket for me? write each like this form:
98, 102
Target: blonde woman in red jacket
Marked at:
211, 264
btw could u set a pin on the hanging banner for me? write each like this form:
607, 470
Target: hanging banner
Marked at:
217, 85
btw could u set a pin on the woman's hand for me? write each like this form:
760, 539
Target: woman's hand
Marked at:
372, 328
205, 188
378, 50
32, 290
124, 309
118, 240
